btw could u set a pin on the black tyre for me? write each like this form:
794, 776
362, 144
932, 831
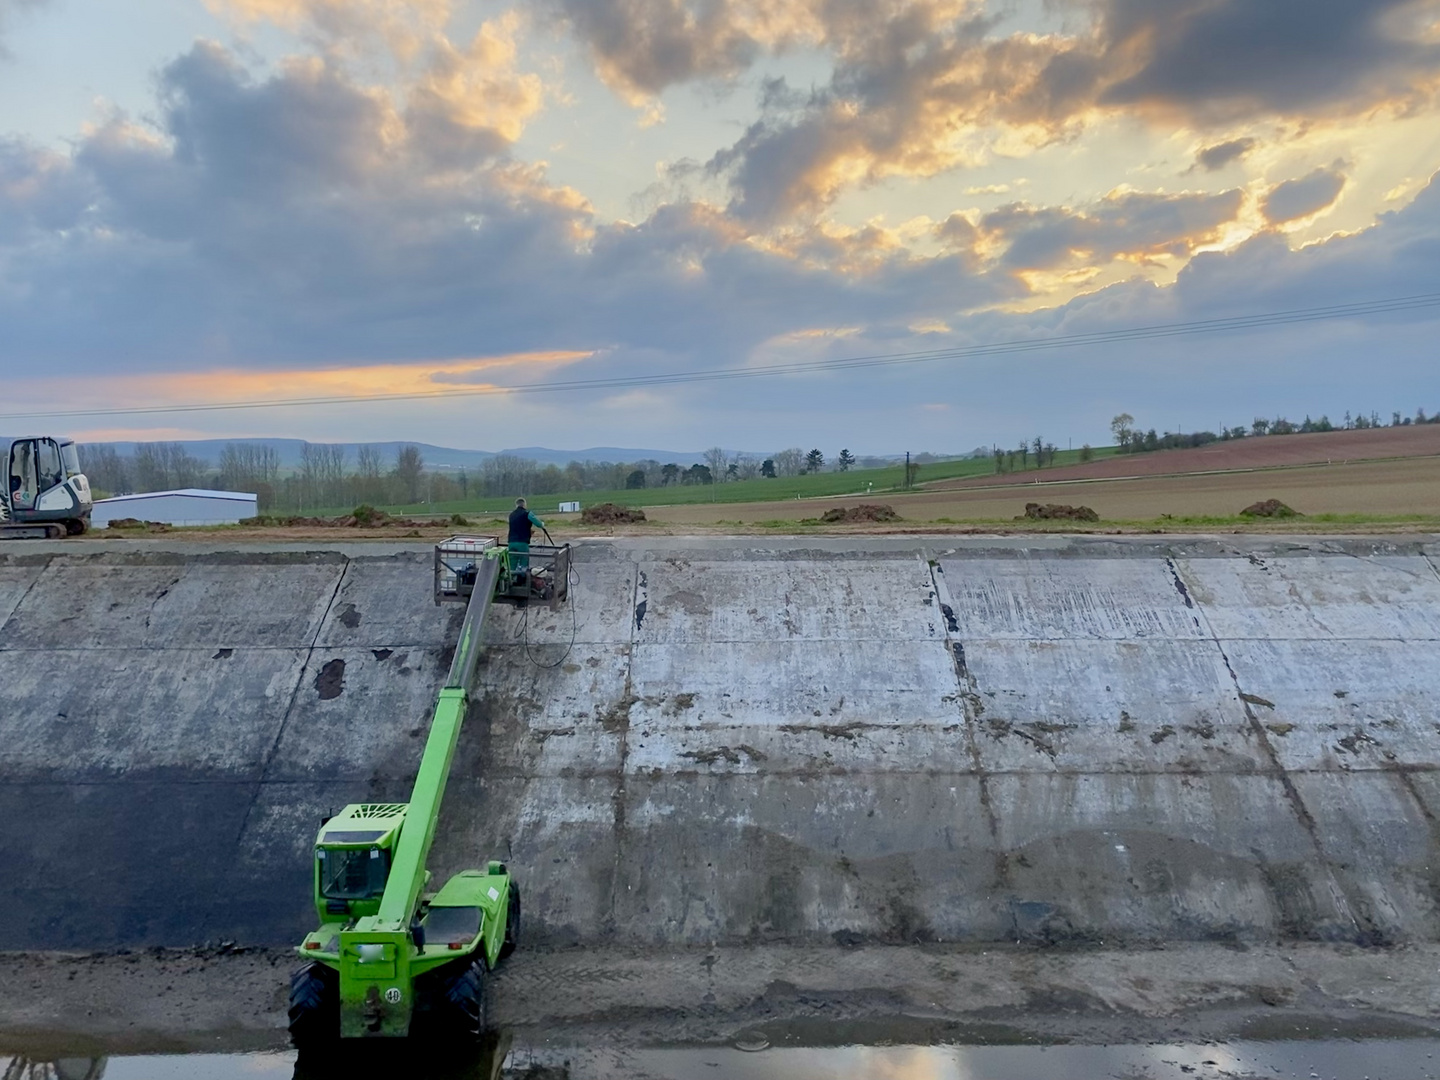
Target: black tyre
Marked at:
76, 526
512, 923
314, 1006
457, 1001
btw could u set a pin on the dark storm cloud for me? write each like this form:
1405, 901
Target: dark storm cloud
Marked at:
1212, 158
1300, 198
298, 218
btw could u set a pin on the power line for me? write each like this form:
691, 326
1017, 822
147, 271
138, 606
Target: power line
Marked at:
852, 363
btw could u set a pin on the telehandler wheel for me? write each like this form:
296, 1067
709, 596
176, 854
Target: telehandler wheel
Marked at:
512, 923
458, 1008
314, 1005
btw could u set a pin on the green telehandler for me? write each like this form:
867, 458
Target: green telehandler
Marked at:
389, 958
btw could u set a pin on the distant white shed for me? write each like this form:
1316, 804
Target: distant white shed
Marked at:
187, 506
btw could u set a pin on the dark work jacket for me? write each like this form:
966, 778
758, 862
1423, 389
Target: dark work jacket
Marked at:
520, 527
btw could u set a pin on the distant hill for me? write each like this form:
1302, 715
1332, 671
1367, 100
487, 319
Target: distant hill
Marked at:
440, 457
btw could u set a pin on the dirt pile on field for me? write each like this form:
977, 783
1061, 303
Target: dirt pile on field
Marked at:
611, 514
136, 523
362, 517
1057, 512
863, 512
1270, 508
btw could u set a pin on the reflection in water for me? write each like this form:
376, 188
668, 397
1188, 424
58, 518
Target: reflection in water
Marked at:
22, 1068
391, 1059
502, 1059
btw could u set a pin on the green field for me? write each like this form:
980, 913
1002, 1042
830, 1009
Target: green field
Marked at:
856, 482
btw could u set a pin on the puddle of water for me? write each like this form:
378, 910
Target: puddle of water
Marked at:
1359, 1059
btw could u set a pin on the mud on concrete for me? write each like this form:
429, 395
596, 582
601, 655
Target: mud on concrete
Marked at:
212, 999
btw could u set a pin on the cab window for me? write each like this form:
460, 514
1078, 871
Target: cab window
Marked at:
70, 458
22, 475
353, 873
51, 471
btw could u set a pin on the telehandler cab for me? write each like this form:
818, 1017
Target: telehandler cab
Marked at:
389, 958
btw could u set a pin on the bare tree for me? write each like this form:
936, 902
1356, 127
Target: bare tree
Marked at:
106, 469
409, 468
716, 461
789, 462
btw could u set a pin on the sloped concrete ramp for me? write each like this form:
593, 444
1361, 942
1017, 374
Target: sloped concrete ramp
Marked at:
730, 740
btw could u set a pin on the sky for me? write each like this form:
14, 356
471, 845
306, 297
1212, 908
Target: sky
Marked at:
220, 202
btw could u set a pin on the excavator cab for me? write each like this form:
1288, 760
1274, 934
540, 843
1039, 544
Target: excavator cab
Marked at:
44, 493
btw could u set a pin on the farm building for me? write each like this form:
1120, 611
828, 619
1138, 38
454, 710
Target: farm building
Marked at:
187, 506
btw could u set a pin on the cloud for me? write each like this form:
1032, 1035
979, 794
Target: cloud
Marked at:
920, 87
1295, 199
1130, 225
471, 103
640, 47
1213, 158
1212, 59
406, 28
300, 219
40, 191
915, 91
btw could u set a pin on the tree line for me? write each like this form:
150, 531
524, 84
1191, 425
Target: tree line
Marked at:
328, 476
1131, 440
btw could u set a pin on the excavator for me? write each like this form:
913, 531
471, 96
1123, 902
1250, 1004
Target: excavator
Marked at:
45, 494
390, 958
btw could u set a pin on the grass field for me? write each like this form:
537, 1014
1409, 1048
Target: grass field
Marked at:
814, 486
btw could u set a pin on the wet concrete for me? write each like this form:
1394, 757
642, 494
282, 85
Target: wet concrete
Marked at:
752, 1056
1045, 740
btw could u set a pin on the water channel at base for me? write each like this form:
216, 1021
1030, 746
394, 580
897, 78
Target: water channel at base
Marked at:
1357, 1059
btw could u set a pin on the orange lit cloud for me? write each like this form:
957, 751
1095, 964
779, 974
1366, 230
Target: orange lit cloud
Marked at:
151, 389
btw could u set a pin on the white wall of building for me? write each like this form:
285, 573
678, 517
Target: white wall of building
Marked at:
191, 506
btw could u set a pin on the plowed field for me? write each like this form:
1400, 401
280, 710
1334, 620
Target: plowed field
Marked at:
1268, 452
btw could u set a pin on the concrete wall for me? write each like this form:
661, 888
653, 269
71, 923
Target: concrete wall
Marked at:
814, 740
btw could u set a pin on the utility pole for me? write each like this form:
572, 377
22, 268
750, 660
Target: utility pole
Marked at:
907, 470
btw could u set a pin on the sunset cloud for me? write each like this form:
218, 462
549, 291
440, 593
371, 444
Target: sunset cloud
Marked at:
1303, 197
1129, 225
1212, 158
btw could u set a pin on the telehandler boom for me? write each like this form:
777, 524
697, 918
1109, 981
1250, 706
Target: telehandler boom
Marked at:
390, 959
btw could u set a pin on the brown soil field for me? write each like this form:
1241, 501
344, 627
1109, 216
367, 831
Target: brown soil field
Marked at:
1377, 488
1267, 452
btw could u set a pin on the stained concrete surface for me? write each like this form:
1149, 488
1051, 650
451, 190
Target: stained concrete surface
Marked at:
890, 740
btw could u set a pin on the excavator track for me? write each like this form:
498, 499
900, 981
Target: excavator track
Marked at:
32, 532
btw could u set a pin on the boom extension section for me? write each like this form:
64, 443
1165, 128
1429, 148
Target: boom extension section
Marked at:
389, 958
